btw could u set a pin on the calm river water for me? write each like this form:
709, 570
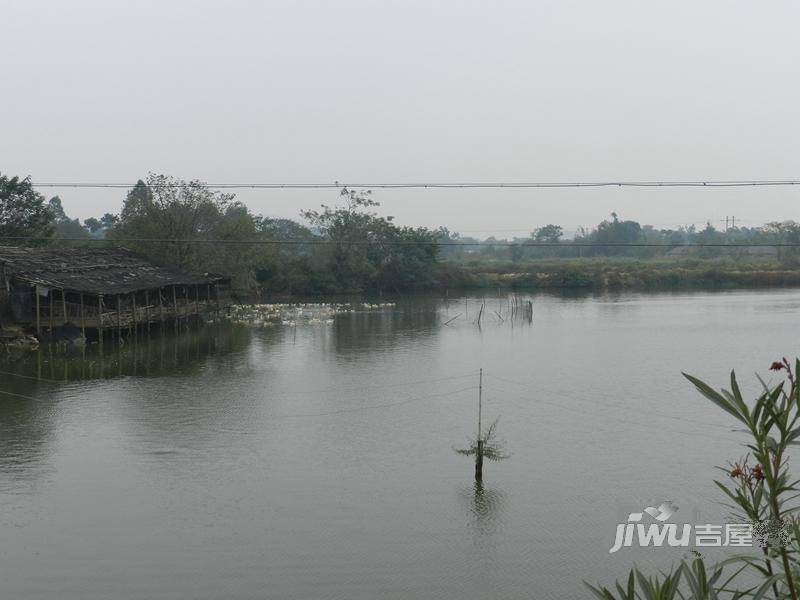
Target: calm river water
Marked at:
317, 461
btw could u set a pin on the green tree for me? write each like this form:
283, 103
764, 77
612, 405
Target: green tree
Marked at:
63, 226
92, 224
108, 220
57, 210
615, 232
786, 232
551, 234
98, 227
283, 229
140, 199
23, 212
174, 222
286, 267
405, 257
348, 229
365, 251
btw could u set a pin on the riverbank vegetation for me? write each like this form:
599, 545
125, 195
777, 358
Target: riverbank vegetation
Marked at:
348, 248
602, 273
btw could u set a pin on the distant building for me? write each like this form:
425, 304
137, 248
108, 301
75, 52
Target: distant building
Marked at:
99, 290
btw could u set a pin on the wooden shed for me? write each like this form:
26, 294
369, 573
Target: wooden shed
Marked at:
100, 290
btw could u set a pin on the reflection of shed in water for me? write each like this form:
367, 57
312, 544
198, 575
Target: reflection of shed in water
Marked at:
99, 290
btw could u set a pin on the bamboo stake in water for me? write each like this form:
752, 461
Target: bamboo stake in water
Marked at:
479, 448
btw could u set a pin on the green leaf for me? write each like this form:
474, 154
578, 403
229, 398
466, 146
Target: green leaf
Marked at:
715, 397
730, 494
601, 593
793, 435
765, 587
649, 590
772, 444
737, 395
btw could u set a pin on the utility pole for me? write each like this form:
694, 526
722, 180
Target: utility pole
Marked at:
479, 452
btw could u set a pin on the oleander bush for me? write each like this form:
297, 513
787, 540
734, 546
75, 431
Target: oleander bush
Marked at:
765, 493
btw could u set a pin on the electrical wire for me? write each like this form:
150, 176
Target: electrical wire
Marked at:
529, 229
644, 426
446, 185
20, 396
538, 388
375, 406
329, 390
324, 242
34, 377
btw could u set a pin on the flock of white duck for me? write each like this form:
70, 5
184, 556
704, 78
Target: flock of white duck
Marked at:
291, 315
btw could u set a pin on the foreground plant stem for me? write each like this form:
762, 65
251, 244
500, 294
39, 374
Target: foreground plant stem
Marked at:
776, 514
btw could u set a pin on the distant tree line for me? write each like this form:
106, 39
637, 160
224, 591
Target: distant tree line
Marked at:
336, 249
624, 238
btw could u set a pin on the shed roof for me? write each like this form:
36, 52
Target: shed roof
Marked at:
93, 270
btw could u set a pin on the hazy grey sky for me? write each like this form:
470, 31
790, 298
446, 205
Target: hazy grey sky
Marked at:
106, 90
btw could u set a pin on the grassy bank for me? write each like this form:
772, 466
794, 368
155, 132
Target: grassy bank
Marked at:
618, 273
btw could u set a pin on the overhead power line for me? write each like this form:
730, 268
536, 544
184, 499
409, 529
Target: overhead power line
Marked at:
324, 242
448, 185
673, 224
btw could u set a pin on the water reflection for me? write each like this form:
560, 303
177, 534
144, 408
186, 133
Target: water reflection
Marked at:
486, 509
169, 354
411, 320
27, 430
37, 389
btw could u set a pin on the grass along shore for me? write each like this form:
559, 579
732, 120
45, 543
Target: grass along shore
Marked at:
618, 273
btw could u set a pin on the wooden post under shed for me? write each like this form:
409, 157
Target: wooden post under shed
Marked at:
38, 312
83, 319
161, 308
147, 308
100, 319
133, 312
175, 305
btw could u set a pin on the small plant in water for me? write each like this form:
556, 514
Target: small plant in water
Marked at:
492, 448
486, 445
764, 494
